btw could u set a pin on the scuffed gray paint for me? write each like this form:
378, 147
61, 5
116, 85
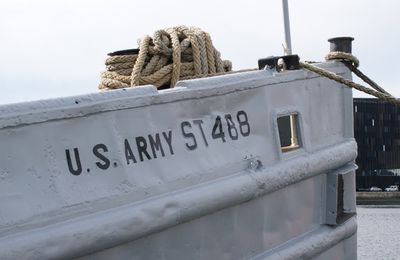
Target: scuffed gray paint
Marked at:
178, 201
311, 245
132, 221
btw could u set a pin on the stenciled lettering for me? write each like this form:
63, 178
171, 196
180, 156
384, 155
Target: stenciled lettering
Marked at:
232, 131
244, 125
155, 144
199, 123
71, 169
105, 162
185, 127
129, 156
142, 148
218, 131
168, 139
221, 129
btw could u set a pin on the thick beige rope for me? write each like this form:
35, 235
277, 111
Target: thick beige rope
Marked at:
344, 56
354, 61
170, 55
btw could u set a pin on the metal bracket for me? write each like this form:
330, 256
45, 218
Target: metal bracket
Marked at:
335, 196
280, 63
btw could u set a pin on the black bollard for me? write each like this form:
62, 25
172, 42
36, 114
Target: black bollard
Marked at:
342, 44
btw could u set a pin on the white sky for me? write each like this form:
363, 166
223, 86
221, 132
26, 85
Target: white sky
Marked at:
54, 48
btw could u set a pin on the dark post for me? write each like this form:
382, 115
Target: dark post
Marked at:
342, 44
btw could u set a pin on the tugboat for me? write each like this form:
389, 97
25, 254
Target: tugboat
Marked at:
251, 165
248, 165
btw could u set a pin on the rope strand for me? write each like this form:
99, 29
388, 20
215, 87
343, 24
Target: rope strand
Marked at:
351, 84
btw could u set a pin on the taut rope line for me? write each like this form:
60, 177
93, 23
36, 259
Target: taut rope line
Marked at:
352, 63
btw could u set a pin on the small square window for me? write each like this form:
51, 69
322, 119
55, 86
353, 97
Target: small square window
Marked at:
289, 137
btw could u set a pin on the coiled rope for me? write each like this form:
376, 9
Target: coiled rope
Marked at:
352, 63
170, 55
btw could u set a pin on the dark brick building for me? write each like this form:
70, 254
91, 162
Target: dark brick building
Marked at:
377, 132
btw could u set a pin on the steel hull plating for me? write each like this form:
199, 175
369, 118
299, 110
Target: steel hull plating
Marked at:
192, 172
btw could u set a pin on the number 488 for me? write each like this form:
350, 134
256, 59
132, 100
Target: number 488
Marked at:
233, 132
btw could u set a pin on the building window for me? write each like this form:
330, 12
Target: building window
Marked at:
383, 147
373, 122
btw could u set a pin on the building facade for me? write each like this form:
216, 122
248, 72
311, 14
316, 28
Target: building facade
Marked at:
377, 132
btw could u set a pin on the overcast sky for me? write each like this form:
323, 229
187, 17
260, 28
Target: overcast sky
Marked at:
57, 48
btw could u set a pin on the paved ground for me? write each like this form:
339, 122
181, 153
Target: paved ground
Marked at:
378, 232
